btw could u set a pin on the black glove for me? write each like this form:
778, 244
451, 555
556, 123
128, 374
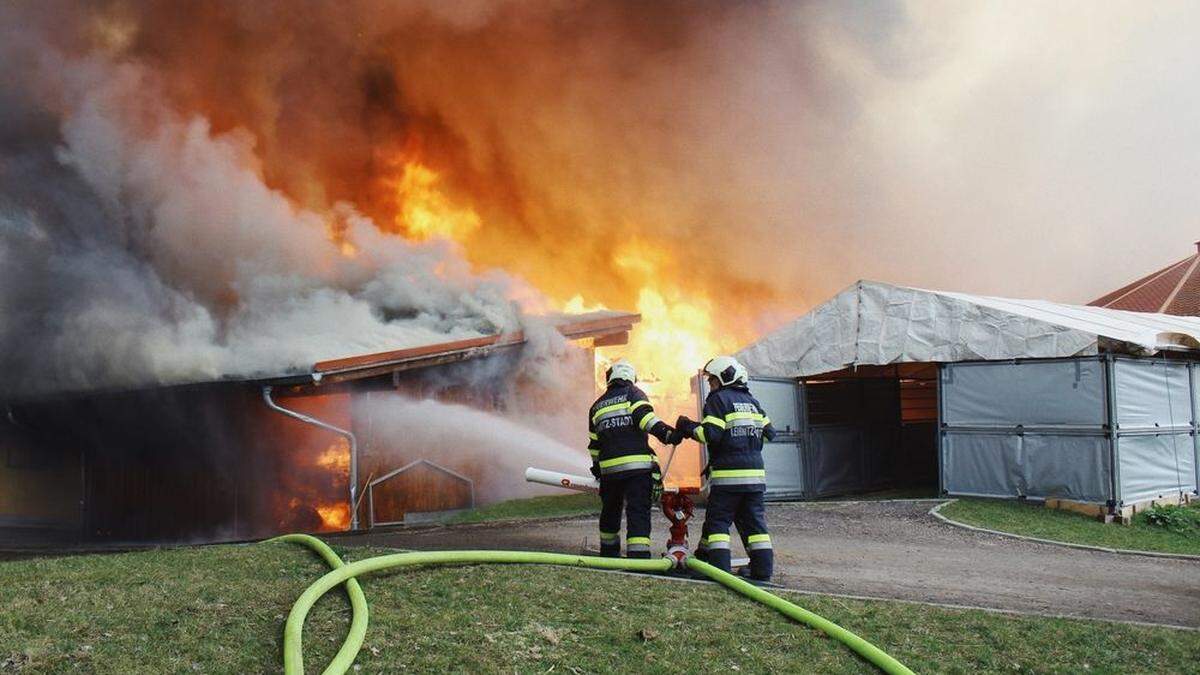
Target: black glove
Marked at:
673, 437
595, 472
707, 472
663, 433
685, 427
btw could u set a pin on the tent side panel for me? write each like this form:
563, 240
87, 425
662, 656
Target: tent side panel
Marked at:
1155, 418
1156, 466
1194, 373
1071, 467
1026, 429
1031, 393
981, 465
780, 400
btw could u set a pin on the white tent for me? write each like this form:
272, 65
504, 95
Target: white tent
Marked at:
1017, 398
872, 323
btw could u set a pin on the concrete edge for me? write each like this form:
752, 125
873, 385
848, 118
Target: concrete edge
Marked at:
936, 513
992, 610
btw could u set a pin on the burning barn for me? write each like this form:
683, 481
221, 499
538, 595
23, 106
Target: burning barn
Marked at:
345, 444
885, 386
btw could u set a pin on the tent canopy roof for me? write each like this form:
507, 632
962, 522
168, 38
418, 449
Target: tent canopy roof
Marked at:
874, 323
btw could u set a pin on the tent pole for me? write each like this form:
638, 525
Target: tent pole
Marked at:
1110, 423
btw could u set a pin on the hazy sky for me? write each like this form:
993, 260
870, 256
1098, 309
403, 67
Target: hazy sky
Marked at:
170, 173
1028, 149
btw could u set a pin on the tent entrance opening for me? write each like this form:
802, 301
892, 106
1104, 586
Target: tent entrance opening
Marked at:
869, 429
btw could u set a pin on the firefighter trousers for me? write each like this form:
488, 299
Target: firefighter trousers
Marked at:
746, 511
633, 494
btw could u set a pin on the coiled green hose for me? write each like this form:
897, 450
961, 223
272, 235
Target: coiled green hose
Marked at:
293, 658
358, 604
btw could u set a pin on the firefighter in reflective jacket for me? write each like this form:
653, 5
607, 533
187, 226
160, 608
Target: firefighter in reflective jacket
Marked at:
622, 460
733, 428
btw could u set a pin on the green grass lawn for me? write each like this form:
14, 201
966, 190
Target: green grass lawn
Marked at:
574, 504
222, 608
1034, 520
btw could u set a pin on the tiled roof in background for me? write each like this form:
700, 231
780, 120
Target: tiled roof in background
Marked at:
1175, 289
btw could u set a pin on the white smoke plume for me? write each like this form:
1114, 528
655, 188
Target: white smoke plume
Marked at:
495, 450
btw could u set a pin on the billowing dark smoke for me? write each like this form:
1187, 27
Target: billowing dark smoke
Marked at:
139, 245
177, 179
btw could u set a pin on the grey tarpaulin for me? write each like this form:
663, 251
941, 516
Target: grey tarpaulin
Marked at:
1030, 393
874, 323
1152, 466
785, 475
985, 465
1195, 372
1154, 435
1152, 394
1033, 429
1036, 398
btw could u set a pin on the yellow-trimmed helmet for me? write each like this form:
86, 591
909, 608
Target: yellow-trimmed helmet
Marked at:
621, 370
727, 370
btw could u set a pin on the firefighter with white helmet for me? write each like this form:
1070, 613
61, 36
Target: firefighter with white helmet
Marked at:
734, 428
618, 425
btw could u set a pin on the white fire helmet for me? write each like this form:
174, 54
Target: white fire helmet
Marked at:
621, 370
727, 370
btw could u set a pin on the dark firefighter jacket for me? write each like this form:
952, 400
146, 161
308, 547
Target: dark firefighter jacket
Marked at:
618, 423
733, 428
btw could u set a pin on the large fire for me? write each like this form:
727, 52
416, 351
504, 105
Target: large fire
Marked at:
315, 477
601, 158
677, 333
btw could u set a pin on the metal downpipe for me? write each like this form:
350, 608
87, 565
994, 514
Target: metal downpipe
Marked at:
348, 435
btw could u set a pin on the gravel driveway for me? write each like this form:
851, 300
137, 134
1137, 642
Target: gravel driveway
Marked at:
896, 550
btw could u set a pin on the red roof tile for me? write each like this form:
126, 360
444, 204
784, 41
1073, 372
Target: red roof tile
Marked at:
1175, 289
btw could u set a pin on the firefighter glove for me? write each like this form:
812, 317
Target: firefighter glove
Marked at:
684, 427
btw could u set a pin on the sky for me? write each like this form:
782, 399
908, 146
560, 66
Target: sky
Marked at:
197, 189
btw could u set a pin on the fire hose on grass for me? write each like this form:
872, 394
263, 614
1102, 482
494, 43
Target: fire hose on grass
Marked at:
293, 657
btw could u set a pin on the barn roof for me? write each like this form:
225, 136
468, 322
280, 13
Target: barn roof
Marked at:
601, 328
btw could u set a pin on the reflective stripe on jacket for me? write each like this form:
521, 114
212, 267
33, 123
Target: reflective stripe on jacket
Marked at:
734, 428
618, 424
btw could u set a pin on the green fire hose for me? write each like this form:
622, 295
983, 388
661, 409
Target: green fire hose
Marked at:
358, 603
293, 658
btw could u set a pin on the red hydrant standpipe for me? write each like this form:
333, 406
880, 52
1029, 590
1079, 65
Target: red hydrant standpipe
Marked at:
677, 507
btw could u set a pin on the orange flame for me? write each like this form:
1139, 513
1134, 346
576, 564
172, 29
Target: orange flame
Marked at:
425, 211
676, 335
336, 457
334, 516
